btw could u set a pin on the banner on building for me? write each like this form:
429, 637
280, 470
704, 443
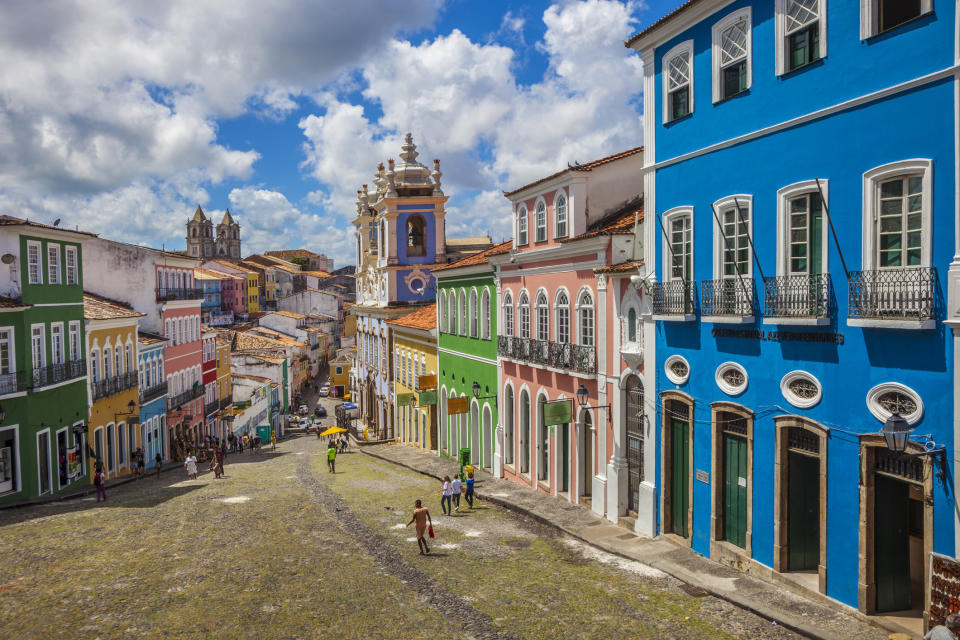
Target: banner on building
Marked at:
559, 412
428, 383
428, 398
406, 399
457, 405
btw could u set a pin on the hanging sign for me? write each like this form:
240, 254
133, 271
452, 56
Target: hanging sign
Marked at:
428, 398
428, 383
457, 405
559, 412
406, 399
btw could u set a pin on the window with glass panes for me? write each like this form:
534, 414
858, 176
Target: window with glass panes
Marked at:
806, 234
893, 13
543, 318
56, 342
802, 32
523, 309
522, 226
736, 250
6, 351
681, 244
540, 218
560, 213
563, 318
733, 59
678, 93
485, 314
586, 320
900, 222
37, 347
507, 315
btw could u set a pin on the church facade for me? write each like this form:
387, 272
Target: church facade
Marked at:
201, 242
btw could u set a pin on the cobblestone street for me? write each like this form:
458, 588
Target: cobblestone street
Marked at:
282, 549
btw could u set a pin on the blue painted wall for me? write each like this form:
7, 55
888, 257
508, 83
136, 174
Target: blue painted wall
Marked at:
430, 237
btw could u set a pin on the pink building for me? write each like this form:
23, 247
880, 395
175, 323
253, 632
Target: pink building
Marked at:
571, 320
233, 287
180, 314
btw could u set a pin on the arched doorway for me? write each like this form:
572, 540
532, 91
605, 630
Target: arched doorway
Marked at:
509, 426
443, 421
465, 420
585, 456
543, 443
487, 459
475, 453
633, 415
524, 432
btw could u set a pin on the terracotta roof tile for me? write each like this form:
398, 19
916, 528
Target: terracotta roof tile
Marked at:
478, 258
623, 267
578, 167
97, 308
12, 303
150, 338
617, 223
423, 318
292, 253
246, 376
289, 314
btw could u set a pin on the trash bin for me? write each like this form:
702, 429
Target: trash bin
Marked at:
463, 458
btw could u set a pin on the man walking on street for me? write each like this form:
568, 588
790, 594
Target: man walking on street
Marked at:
421, 516
331, 457
159, 460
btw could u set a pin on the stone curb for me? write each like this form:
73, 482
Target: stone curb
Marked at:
670, 570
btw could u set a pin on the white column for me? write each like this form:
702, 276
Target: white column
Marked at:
501, 409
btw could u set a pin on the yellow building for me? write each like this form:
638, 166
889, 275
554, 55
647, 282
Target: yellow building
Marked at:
112, 379
414, 374
253, 291
339, 379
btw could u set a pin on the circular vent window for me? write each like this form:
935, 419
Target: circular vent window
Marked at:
677, 369
732, 378
801, 389
888, 397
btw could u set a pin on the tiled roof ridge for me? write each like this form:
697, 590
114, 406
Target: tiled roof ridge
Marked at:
478, 258
659, 22
114, 303
423, 318
618, 222
589, 166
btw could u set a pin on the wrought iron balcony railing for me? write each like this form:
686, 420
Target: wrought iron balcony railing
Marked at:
181, 399
727, 297
178, 293
562, 355
55, 373
797, 296
154, 392
113, 385
210, 407
13, 382
223, 403
674, 298
893, 294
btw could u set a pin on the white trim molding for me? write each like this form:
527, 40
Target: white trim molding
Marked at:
784, 195
871, 189
685, 48
782, 43
870, 18
881, 413
795, 399
746, 210
717, 36
672, 375
668, 217
726, 387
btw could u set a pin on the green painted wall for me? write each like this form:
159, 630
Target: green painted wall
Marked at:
464, 360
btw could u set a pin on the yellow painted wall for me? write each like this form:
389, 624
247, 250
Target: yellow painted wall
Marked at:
409, 348
342, 378
253, 292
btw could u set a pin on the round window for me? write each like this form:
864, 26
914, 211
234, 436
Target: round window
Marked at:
801, 389
416, 285
888, 397
731, 378
677, 369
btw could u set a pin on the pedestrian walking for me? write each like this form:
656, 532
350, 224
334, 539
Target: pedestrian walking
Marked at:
246, 443
273, 442
332, 458
240, 443
469, 494
159, 460
421, 515
445, 493
141, 462
455, 489
191, 464
218, 455
98, 481
946, 631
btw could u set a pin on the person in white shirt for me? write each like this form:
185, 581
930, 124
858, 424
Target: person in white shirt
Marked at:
455, 490
446, 492
946, 631
191, 464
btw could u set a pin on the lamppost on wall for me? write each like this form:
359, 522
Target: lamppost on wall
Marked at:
896, 431
583, 396
476, 393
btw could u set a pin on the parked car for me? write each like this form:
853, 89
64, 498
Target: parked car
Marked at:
305, 423
325, 391
320, 412
303, 410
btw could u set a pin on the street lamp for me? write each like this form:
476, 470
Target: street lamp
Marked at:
583, 395
476, 393
896, 431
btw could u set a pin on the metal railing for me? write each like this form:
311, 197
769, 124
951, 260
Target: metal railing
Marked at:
178, 293
727, 297
893, 294
154, 392
113, 385
13, 382
797, 296
223, 403
181, 399
674, 298
54, 373
562, 355
210, 407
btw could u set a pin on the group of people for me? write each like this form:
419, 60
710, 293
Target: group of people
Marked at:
451, 490
138, 463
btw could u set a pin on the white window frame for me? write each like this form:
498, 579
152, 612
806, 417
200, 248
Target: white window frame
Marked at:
54, 271
17, 458
507, 323
34, 245
881, 414
520, 306
462, 311
716, 36
542, 303
558, 309
668, 218
671, 374
523, 226
561, 195
870, 16
538, 206
441, 312
746, 205
72, 272
724, 385
794, 399
684, 48
43, 345
56, 327
11, 348
73, 331
54, 446
580, 308
782, 45
784, 196
485, 314
49, 465
474, 318
871, 187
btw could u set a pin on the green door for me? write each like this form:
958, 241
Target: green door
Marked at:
735, 490
891, 550
565, 452
679, 477
803, 512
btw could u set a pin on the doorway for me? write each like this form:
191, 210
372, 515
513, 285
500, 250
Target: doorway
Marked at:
564, 434
892, 544
633, 415
585, 457
731, 503
43, 462
676, 464
487, 458
63, 476
734, 503
803, 512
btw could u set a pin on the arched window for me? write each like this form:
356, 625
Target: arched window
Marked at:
508, 430
463, 312
94, 365
632, 325
118, 360
507, 314
585, 309
416, 236
452, 313
107, 363
524, 432
522, 226
543, 317
473, 313
129, 352
485, 314
563, 318
523, 310
540, 221
560, 214
442, 312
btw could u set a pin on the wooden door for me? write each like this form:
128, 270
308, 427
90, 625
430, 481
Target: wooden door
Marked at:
803, 512
565, 454
735, 490
891, 550
679, 476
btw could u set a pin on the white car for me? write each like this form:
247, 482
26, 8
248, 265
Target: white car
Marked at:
325, 391
305, 423
303, 409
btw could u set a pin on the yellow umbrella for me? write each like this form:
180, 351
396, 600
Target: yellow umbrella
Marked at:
333, 430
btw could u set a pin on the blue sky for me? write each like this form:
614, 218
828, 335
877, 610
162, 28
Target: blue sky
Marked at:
279, 111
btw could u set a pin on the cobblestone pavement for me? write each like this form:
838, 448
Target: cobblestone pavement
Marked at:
282, 549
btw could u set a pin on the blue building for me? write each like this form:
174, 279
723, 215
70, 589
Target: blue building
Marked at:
153, 396
801, 194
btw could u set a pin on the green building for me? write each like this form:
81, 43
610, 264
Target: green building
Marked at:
43, 373
467, 351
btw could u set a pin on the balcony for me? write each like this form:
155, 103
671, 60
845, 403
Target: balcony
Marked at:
114, 385
13, 382
181, 399
797, 299
727, 300
898, 298
675, 300
180, 293
55, 373
224, 403
211, 407
154, 392
560, 355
